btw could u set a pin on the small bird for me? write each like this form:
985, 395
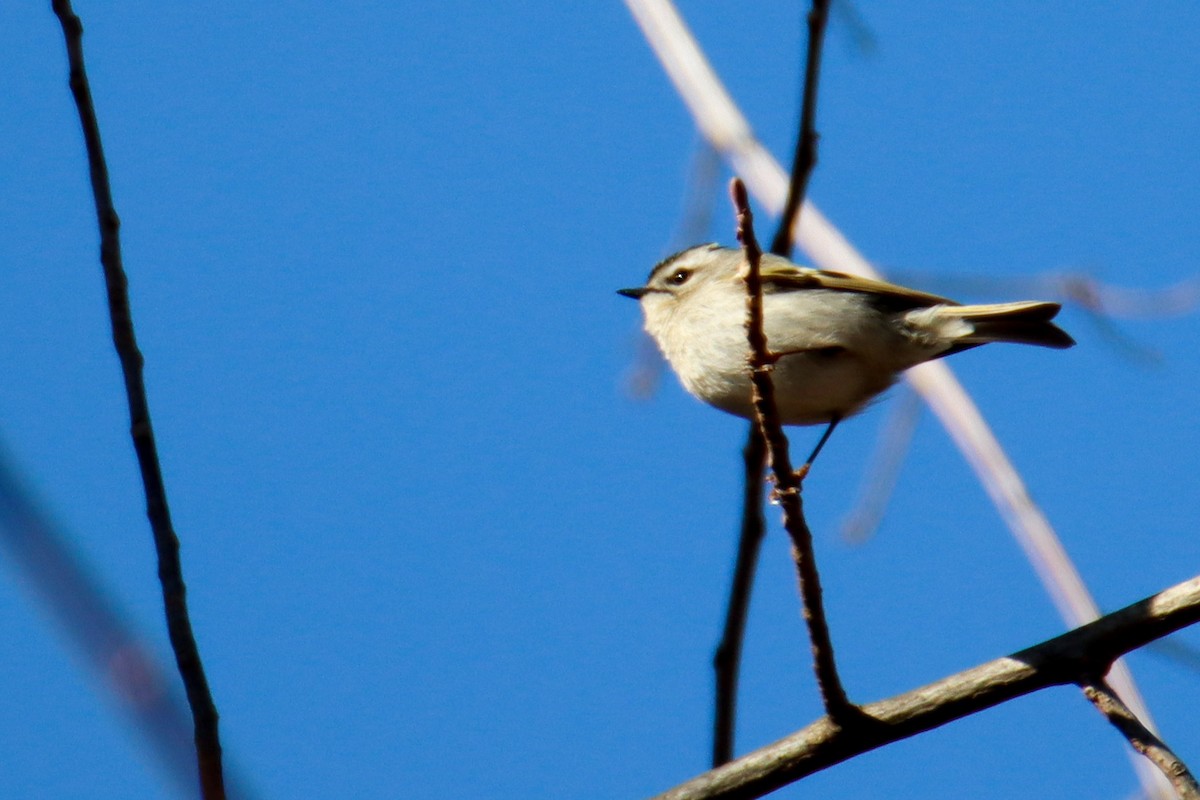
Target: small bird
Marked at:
840, 339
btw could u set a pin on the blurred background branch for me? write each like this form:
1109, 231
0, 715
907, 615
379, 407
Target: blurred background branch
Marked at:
126, 668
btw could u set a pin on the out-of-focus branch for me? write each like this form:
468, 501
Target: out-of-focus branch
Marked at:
107, 644
1103, 303
879, 480
700, 193
858, 32
1065, 659
1180, 653
787, 482
100, 632
1127, 302
720, 120
170, 571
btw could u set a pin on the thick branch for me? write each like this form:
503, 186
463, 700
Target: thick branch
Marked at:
787, 482
1070, 658
170, 572
1142, 738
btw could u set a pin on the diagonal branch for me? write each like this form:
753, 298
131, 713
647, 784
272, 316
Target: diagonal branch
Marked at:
127, 668
1069, 658
166, 543
787, 481
1142, 738
883, 470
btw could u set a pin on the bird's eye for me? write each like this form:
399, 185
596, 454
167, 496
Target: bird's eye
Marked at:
680, 277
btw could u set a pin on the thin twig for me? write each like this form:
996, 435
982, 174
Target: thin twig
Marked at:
1142, 738
1063, 660
787, 482
728, 658
805, 157
166, 543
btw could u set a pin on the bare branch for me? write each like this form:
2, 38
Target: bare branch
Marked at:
1142, 738
728, 657
1063, 660
729, 650
787, 481
170, 571
805, 157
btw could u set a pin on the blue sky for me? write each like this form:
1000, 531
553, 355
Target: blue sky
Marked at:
434, 548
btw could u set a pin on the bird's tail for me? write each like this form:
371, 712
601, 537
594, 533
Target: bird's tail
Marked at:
1026, 322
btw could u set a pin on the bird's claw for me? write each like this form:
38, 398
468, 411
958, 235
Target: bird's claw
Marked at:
797, 486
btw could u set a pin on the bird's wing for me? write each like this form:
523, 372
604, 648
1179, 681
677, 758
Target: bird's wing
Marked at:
780, 275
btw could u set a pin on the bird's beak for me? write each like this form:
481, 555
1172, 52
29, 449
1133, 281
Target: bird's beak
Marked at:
636, 294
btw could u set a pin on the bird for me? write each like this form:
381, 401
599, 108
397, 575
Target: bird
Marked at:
837, 340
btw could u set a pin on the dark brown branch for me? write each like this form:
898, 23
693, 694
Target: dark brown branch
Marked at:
805, 157
728, 658
787, 482
1142, 738
170, 573
1066, 659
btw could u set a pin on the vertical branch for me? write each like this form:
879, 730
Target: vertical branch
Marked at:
1142, 738
728, 658
787, 482
805, 158
166, 543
